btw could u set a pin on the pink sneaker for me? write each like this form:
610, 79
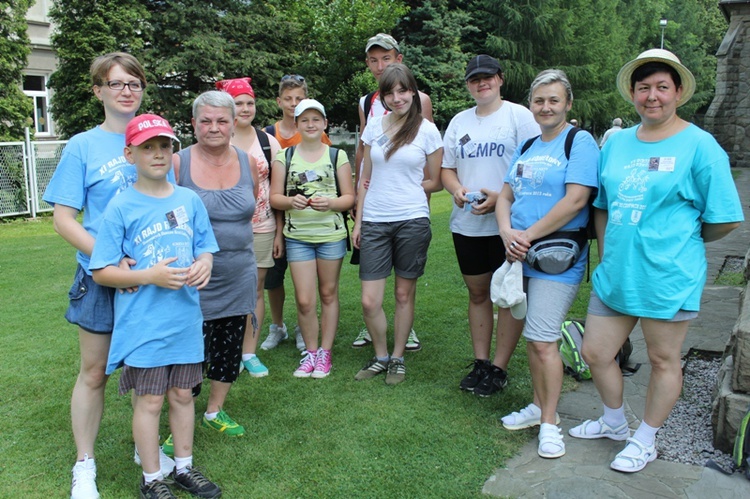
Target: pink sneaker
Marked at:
322, 364
306, 365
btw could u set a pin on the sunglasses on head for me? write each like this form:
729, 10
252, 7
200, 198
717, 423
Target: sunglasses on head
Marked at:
297, 78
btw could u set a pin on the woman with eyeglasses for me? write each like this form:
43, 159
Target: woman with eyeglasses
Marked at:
92, 171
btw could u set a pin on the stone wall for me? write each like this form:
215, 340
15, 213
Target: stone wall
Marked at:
728, 117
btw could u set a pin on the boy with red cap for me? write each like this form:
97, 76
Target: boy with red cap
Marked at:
158, 330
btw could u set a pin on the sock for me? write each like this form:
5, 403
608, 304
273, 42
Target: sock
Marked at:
614, 417
247, 356
152, 477
210, 415
385, 359
182, 464
400, 359
646, 433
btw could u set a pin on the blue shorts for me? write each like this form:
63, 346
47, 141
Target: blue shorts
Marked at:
300, 251
92, 307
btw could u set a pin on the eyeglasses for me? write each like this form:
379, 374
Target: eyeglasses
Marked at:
134, 86
297, 78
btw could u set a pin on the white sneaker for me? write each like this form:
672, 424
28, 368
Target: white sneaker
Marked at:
298, 338
362, 339
275, 336
528, 417
84, 480
166, 463
412, 343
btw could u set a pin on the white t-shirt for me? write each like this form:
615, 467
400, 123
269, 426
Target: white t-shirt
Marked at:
395, 192
480, 150
377, 108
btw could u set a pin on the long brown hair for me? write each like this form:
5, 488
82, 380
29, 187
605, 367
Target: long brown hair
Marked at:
394, 75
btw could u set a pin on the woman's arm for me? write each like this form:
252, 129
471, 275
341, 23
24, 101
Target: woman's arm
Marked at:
514, 241
364, 184
65, 223
714, 232
449, 178
433, 183
600, 224
160, 275
254, 174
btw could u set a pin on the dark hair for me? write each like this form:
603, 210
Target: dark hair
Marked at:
104, 63
394, 75
644, 71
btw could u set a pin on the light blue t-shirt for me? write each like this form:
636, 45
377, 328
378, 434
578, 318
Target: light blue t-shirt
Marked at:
155, 326
91, 171
538, 178
658, 195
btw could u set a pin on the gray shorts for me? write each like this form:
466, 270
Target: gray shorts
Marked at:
548, 304
399, 245
157, 380
598, 307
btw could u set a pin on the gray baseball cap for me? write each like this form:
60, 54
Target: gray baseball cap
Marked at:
382, 40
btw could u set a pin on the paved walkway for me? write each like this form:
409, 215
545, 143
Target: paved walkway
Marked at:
584, 470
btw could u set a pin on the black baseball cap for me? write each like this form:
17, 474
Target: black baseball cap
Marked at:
482, 64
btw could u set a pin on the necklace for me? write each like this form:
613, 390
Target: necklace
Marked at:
215, 164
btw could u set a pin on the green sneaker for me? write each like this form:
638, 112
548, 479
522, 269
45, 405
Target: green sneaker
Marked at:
224, 424
168, 446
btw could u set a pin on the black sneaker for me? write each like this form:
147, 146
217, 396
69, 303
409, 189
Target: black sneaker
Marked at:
495, 380
477, 374
194, 482
158, 489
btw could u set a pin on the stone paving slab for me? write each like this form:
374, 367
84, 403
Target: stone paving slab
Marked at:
584, 470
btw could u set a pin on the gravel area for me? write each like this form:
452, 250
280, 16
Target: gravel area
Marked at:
687, 436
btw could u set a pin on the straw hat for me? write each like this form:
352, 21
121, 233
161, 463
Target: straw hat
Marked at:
656, 55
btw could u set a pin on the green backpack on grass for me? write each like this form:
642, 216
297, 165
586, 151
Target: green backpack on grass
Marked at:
571, 341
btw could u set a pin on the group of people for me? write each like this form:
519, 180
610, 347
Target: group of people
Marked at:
199, 234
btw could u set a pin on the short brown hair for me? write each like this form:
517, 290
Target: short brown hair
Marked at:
104, 63
292, 81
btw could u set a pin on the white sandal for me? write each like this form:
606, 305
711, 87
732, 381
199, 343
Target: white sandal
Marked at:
528, 417
585, 430
551, 443
634, 457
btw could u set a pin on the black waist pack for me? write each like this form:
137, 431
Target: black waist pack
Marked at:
557, 252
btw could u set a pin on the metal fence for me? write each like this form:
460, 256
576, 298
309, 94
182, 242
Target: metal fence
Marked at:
25, 170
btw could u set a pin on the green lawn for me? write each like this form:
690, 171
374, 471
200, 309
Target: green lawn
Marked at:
326, 438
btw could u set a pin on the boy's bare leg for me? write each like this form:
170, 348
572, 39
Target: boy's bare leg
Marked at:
146, 413
182, 420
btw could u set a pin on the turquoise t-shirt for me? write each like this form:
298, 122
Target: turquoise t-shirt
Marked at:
155, 326
658, 195
538, 178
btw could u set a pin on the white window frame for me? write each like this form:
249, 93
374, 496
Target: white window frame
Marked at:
45, 94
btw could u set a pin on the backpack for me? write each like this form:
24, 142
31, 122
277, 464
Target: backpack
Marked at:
571, 340
741, 453
264, 144
368, 103
334, 157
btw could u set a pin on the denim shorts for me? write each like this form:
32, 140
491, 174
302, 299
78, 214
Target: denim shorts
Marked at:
92, 307
300, 251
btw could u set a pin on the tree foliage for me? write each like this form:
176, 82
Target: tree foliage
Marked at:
15, 107
85, 30
186, 45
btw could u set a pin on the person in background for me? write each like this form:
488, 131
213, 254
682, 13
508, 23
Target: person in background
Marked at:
226, 179
165, 228
666, 189
292, 90
91, 172
268, 240
392, 228
478, 146
616, 127
314, 193
546, 195
381, 51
